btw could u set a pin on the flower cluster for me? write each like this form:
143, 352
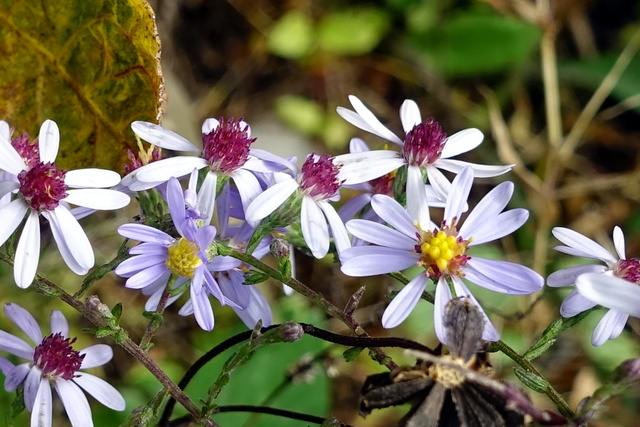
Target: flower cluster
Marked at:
237, 197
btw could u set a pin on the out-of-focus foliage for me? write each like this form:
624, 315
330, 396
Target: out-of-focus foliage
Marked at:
92, 66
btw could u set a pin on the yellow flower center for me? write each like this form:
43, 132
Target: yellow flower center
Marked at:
183, 258
443, 252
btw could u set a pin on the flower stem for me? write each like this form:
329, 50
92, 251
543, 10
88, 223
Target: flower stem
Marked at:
377, 353
551, 392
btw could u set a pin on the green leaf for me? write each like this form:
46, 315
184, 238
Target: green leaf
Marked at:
548, 337
350, 354
91, 66
291, 36
477, 43
352, 31
531, 380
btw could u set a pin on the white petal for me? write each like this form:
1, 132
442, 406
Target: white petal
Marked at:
207, 196
32, 384
96, 355
338, 230
364, 119
610, 326
356, 168
417, 204
618, 242
16, 375
404, 303
164, 138
91, 178
356, 145
461, 142
247, 185
611, 292
164, 169
583, 245
75, 403
574, 304
269, 200
409, 115
362, 261
97, 198
314, 228
479, 171
457, 198
101, 390
11, 216
502, 276
5, 131
209, 125
16, 346
202, 309
71, 239
439, 182
144, 233
488, 208
258, 309
10, 160
568, 276
498, 227
442, 298
48, 141
59, 323
379, 234
25, 321
394, 214
7, 187
42, 405
27, 252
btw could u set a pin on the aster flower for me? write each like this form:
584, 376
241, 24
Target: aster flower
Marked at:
316, 183
160, 256
226, 153
54, 362
441, 251
380, 185
613, 285
41, 188
425, 147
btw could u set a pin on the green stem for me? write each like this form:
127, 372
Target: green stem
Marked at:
551, 392
377, 353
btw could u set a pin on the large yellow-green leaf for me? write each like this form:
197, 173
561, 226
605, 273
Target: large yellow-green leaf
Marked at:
90, 65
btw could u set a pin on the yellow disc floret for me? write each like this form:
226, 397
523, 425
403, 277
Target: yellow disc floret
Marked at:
183, 258
442, 251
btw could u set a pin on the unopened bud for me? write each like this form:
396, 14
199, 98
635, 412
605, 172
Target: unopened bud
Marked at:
292, 331
279, 248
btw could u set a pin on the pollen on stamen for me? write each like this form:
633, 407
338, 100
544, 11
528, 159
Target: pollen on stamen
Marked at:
183, 258
442, 252
227, 147
628, 269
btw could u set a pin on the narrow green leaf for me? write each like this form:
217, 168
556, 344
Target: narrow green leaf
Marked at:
531, 380
548, 337
91, 66
350, 354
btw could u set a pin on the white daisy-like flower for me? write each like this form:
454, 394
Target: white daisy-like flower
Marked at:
614, 285
54, 362
226, 152
317, 182
39, 187
425, 147
441, 251
161, 255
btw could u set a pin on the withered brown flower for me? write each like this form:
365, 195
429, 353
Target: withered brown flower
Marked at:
453, 389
